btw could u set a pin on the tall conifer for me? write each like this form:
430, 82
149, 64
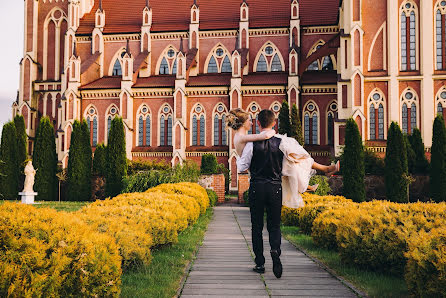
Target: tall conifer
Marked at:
296, 126
99, 164
86, 145
352, 163
438, 161
115, 158
396, 170
421, 165
284, 119
45, 161
22, 155
9, 167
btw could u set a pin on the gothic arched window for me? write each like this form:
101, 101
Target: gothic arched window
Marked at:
276, 65
117, 70
376, 116
408, 36
331, 115
253, 111
92, 122
212, 67
220, 129
311, 124
261, 64
166, 126
269, 59
198, 126
144, 126
164, 67
440, 29
226, 66
409, 111
168, 64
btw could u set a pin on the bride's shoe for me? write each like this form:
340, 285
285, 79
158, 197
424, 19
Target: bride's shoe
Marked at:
313, 188
337, 169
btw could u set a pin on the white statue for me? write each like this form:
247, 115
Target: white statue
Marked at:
29, 179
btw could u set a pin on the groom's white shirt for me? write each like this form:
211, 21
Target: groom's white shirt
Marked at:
244, 162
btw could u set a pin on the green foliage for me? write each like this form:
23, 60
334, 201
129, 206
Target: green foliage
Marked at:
396, 165
209, 164
79, 163
136, 166
323, 188
296, 126
410, 153
420, 165
284, 119
212, 197
221, 169
373, 164
99, 164
22, 142
139, 182
10, 167
116, 158
45, 161
246, 197
352, 163
438, 161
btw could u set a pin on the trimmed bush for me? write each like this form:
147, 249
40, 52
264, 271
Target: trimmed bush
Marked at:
140, 182
246, 198
209, 164
373, 164
438, 161
22, 142
99, 162
324, 188
137, 166
79, 165
212, 197
115, 158
46, 253
296, 126
421, 165
396, 165
45, 161
352, 163
9, 168
284, 119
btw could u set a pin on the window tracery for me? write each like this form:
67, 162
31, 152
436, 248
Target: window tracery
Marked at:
269, 59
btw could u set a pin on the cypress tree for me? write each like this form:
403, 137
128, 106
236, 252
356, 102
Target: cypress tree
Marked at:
115, 158
86, 145
410, 154
9, 167
352, 163
438, 161
22, 155
45, 161
421, 165
284, 119
99, 165
296, 126
396, 165
79, 169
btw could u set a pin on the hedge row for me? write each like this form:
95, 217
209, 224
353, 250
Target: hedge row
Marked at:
382, 236
49, 253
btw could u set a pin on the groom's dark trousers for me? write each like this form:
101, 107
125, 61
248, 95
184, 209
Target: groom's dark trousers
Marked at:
265, 192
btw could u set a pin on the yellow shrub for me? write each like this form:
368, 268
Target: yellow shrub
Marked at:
426, 264
54, 254
186, 188
314, 205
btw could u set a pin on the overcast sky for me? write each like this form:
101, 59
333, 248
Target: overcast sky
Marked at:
11, 51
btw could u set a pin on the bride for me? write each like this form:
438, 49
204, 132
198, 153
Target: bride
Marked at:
298, 165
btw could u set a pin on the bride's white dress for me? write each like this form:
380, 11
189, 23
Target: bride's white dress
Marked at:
296, 171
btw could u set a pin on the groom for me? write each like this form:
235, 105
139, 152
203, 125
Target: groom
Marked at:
264, 161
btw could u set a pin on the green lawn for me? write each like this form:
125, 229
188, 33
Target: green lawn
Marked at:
59, 206
163, 276
373, 283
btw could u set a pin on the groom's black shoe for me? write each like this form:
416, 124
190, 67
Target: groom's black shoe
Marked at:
277, 265
259, 269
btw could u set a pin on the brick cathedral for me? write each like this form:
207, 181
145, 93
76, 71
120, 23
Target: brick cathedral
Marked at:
173, 69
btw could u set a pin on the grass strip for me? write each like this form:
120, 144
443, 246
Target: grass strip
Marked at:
59, 206
163, 276
375, 284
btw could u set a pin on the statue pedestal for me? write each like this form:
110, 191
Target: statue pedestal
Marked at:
28, 197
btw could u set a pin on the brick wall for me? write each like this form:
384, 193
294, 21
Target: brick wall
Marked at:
243, 185
216, 183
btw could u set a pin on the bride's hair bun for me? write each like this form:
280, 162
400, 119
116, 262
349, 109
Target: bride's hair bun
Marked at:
236, 118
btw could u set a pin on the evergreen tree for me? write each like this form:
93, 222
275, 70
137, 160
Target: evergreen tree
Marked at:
79, 166
22, 155
86, 145
296, 126
352, 163
396, 165
9, 167
45, 161
421, 165
115, 158
99, 165
438, 161
410, 154
284, 119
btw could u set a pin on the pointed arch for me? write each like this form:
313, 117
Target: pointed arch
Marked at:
409, 36
198, 124
377, 117
409, 110
220, 131
216, 60
167, 60
253, 110
331, 115
165, 115
53, 45
269, 49
91, 115
311, 125
377, 59
143, 126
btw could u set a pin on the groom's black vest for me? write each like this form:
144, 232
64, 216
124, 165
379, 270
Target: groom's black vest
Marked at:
266, 162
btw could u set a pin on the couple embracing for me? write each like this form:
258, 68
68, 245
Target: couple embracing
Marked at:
280, 170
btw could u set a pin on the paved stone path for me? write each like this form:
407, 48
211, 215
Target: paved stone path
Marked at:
223, 267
